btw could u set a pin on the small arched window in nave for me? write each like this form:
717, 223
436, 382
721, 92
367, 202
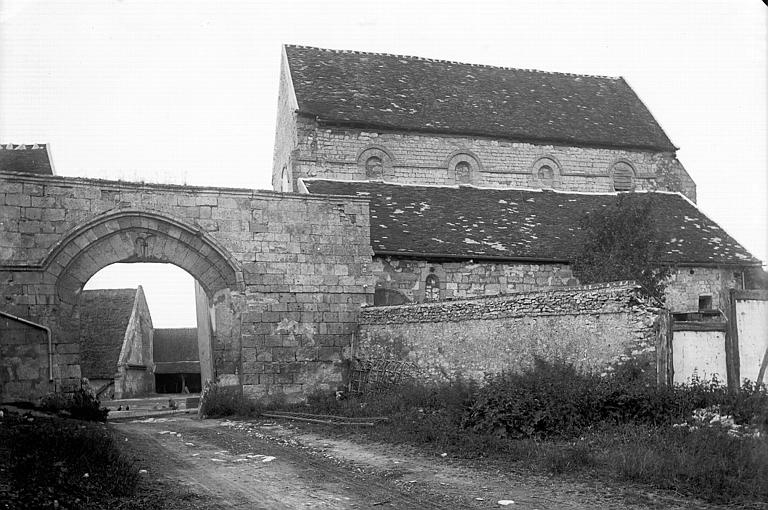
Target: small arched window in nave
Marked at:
432, 288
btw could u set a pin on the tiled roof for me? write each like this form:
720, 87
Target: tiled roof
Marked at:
411, 93
175, 344
518, 224
30, 158
104, 317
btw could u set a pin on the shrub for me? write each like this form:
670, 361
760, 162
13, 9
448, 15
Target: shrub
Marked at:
81, 404
554, 399
218, 401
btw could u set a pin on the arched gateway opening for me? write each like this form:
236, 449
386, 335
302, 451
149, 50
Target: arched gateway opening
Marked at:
131, 236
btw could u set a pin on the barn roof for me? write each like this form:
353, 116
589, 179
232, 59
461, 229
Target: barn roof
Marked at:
175, 344
518, 224
29, 158
104, 318
411, 93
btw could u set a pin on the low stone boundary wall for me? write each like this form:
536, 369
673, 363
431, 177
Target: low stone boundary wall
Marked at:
595, 327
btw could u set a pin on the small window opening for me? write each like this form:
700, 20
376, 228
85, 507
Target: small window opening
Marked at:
546, 176
374, 167
463, 172
432, 288
623, 178
705, 303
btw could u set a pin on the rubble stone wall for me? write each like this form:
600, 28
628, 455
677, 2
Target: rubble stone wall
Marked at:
287, 272
594, 327
467, 279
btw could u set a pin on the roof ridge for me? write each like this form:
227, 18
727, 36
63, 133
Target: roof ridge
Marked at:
426, 59
9, 146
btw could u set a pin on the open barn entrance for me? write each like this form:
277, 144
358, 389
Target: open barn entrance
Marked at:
139, 332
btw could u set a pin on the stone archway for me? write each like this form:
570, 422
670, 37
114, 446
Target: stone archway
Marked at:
139, 236
134, 236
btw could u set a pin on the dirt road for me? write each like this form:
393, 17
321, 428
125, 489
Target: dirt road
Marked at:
262, 464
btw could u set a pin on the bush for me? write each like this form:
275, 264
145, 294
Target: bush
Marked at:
555, 400
81, 404
218, 401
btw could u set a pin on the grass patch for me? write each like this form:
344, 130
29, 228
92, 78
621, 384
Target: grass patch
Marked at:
74, 463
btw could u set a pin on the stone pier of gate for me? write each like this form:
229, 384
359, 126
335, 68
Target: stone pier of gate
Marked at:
284, 275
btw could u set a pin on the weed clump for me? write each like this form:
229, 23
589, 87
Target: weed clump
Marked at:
217, 401
82, 404
555, 400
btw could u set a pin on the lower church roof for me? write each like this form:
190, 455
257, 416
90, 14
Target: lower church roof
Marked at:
467, 222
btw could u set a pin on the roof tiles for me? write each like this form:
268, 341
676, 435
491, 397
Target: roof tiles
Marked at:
518, 224
411, 93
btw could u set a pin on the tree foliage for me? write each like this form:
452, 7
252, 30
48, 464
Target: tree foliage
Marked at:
623, 242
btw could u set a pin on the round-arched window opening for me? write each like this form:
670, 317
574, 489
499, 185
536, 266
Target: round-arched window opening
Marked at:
623, 177
463, 172
374, 167
432, 288
546, 176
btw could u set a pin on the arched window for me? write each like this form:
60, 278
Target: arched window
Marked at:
432, 288
546, 173
463, 167
375, 162
623, 177
463, 172
374, 167
546, 176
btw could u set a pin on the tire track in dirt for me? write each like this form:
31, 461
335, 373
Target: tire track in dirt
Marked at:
217, 463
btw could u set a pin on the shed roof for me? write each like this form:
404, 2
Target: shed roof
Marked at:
175, 344
104, 318
518, 224
412, 93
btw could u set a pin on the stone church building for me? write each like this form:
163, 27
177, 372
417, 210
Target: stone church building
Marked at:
396, 180
478, 175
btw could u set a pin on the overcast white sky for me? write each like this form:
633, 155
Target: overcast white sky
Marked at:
186, 92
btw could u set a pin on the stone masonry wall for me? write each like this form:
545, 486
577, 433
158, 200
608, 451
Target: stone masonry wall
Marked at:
687, 284
467, 279
334, 153
23, 361
594, 327
271, 259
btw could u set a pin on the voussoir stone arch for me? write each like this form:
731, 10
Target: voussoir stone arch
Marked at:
139, 236
547, 172
375, 161
461, 162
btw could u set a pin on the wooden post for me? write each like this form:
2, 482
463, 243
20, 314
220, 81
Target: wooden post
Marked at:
664, 366
732, 345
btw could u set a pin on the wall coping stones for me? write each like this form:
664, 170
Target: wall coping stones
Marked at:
139, 186
613, 297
